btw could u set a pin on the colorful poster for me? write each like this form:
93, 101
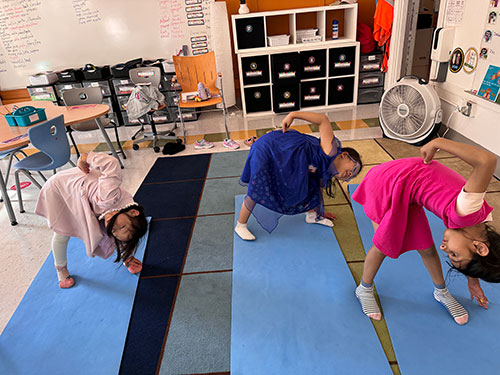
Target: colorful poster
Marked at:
491, 83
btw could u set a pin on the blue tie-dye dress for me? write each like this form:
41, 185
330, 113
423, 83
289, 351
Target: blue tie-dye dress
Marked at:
284, 173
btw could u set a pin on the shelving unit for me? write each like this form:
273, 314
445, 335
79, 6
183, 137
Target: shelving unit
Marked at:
317, 75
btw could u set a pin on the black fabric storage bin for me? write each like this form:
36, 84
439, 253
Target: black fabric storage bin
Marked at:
95, 72
250, 32
70, 75
286, 98
156, 63
255, 69
342, 61
313, 93
313, 64
373, 79
285, 68
372, 95
258, 99
122, 70
340, 90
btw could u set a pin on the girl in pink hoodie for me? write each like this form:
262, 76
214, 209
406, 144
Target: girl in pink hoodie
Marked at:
87, 202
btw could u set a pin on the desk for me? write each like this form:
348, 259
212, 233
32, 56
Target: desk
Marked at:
72, 115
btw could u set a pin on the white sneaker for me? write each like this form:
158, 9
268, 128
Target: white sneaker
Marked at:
314, 218
202, 144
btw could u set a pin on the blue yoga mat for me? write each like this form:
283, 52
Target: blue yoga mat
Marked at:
425, 337
80, 330
293, 305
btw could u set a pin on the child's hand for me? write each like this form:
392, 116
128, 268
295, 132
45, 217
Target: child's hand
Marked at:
287, 122
83, 165
428, 151
477, 292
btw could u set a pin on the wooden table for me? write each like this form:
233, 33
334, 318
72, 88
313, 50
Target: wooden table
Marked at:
72, 115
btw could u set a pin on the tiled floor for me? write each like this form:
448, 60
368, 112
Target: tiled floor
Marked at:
27, 245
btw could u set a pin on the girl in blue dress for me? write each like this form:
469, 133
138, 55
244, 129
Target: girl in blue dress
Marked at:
285, 172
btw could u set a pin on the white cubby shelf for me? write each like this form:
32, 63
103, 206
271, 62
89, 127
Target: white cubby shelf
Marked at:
316, 75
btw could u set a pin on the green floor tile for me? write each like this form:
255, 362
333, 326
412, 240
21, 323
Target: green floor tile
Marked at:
215, 137
372, 122
103, 147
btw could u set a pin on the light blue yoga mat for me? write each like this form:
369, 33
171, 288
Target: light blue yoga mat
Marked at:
425, 337
293, 307
80, 330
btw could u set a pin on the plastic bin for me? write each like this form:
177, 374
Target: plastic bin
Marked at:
278, 40
26, 116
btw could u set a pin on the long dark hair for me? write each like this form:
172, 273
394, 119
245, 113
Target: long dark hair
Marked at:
125, 250
330, 187
487, 267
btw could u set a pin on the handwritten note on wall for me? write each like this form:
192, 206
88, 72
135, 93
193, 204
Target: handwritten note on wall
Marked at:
18, 21
84, 13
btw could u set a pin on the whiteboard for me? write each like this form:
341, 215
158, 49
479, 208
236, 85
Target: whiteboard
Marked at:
41, 35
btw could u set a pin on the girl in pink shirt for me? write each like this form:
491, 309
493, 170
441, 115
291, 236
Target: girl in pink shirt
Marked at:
87, 202
394, 195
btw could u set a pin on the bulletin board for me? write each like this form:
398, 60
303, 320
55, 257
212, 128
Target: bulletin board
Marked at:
41, 35
476, 50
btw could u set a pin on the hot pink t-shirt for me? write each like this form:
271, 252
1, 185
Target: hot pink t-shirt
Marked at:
394, 195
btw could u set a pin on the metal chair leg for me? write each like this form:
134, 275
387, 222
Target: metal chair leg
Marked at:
182, 120
70, 133
118, 140
18, 190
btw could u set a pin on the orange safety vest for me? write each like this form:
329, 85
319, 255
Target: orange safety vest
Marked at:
382, 27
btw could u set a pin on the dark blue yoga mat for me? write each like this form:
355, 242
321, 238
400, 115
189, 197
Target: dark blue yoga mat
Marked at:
425, 337
80, 330
293, 305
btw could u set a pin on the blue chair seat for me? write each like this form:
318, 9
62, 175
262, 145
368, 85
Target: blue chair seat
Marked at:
35, 162
11, 150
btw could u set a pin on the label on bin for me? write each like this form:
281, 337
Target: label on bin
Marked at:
312, 97
287, 105
255, 73
34, 117
313, 68
286, 74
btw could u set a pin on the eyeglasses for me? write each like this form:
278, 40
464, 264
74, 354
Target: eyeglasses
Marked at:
355, 170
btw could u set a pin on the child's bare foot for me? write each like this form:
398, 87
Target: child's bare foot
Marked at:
65, 280
133, 265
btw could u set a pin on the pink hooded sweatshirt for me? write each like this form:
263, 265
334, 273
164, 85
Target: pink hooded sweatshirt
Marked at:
72, 202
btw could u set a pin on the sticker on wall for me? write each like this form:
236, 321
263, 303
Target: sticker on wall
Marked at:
492, 18
456, 60
493, 3
483, 54
470, 60
488, 35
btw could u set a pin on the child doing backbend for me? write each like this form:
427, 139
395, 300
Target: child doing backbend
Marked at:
285, 172
87, 202
394, 195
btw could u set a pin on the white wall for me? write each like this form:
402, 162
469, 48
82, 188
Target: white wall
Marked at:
484, 127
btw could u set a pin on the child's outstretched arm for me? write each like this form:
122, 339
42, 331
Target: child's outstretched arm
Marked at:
325, 128
483, 162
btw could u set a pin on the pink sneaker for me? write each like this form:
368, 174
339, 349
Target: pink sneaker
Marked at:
229, 143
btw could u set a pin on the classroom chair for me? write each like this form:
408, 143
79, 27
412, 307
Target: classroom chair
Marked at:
150, 75
11, 154
191, 70
83, 96
50, 139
